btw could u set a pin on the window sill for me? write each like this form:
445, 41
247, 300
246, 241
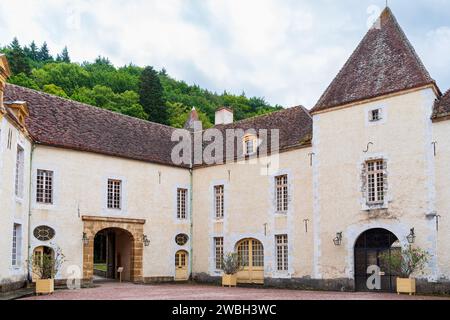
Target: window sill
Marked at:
375, 206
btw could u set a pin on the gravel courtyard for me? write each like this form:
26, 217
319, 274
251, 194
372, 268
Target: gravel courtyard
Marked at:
129, 291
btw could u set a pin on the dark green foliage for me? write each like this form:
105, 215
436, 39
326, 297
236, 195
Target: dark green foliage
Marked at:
131, 90
151, 96
64, 56
44, 54
18, 60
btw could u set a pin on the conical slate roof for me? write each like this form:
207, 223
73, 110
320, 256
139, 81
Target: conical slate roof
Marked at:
384, 62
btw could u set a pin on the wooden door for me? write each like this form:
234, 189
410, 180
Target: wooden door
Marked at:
251, 256
38, 254
181, 266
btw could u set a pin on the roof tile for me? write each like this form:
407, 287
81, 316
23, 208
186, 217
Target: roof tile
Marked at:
384, 62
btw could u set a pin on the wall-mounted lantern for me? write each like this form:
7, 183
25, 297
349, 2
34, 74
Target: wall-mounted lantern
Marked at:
338, 240
411, 237
145, 240
85, 239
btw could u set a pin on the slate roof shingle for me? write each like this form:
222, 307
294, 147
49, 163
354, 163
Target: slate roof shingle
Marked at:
59, 122
442, 106
294, 124
64, 123
384, 62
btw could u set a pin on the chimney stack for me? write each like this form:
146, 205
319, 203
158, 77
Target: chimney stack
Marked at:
224, 115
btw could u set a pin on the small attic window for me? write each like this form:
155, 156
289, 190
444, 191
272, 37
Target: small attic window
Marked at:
375, 115
250, 144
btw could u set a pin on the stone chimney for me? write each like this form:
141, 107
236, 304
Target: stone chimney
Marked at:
191, 121
224, 115
4, 74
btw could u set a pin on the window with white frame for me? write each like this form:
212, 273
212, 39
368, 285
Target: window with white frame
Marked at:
281, 193
375, 181
181, 203
16, 245
44, 187
218, 252
114, 194
20, 165
282, 251
219, 201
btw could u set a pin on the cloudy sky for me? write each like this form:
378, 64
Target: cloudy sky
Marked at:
287, 51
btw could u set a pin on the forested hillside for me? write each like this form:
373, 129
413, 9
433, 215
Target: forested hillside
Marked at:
141, 92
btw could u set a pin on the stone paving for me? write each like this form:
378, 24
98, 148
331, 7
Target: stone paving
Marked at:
129, 291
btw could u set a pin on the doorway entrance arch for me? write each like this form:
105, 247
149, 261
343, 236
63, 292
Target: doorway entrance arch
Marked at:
368, 248
133, 227
113, 250
251, 256
39, 254
181, 265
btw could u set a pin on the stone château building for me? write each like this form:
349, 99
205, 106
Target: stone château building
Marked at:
364, 171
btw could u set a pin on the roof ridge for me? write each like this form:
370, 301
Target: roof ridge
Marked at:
408, 43
383, 62
88, 105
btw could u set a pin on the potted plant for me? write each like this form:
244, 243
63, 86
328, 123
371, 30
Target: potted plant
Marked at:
44, 267
231, 266
405, 263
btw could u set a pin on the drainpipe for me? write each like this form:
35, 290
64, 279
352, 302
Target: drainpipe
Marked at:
29, 209
191, 206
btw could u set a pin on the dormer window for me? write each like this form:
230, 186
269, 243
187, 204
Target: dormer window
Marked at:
375, 115
250, 144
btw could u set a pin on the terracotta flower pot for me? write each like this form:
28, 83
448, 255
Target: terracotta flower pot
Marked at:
45, 286
229, 280
406, 285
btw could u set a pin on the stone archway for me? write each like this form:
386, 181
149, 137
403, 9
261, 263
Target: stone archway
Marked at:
368, 251
135, 227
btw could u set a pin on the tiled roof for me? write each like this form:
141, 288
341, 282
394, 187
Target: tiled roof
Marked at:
59, 122
294, 125
64, 123
442, 106
384, 62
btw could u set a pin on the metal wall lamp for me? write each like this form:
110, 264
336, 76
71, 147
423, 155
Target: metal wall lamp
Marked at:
411, 237
85, 239
145, 240
338, 240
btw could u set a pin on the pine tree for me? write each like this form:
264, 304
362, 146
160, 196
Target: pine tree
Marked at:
44, 54
151, 96
34, 51
17, 58
64, 56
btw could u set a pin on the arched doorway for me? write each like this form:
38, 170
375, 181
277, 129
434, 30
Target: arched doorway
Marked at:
181, 266
134, 228
251, 257
39, 254
368, 248
113, 252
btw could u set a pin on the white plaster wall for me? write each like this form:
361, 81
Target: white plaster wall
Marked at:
403, 138
12, 209
249, 205
149, 192
441, 132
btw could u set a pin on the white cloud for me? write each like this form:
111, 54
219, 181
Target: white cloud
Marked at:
287, 51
